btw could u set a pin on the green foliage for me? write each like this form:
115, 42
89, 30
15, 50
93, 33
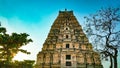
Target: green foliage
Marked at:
18, 64
2, 30
10, 44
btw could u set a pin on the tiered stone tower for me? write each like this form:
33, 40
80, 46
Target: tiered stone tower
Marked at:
67, 46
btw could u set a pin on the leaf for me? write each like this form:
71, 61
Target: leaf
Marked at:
24, 51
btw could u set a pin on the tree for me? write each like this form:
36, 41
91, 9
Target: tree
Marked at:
102, 29
18, 64
10, 44
24, 64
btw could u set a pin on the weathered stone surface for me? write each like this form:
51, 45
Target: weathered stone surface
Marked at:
67, 46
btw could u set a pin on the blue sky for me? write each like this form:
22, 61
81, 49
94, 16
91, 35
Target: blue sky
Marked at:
35, 17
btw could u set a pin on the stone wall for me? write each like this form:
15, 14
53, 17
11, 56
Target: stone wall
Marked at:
67, 46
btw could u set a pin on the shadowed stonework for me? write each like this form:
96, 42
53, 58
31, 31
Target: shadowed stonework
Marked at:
67, 46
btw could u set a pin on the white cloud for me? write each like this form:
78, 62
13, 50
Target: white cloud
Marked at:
4, 23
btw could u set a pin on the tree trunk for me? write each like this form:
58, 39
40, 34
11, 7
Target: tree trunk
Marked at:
115, 58
115, 62
111, 62
8, 58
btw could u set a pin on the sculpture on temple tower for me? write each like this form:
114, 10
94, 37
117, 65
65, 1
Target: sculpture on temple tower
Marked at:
66, 46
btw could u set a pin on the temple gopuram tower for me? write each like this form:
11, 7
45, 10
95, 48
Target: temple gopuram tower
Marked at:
67, 46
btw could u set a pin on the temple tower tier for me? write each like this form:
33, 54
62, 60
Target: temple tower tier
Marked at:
67, 46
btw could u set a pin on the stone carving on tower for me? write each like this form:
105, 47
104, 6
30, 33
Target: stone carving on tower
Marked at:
67, 46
